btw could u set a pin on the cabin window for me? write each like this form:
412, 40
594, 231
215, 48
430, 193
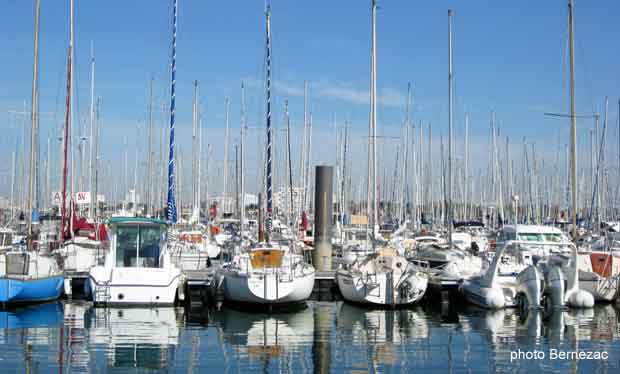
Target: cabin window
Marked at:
530, 237
138, 246
556, 238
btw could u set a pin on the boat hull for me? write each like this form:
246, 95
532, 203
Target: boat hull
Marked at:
14, 290
603, 289
133, 286
382, 290
267, 288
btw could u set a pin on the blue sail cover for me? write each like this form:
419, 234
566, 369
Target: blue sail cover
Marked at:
171, 203
269, 215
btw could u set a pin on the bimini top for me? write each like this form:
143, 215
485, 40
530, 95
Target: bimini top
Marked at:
135, 220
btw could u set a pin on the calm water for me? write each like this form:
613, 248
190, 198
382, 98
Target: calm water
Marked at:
325, 337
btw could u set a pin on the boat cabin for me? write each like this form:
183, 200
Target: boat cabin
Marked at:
137, 242
532, 233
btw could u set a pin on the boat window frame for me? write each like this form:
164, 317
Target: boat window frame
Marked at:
138, 247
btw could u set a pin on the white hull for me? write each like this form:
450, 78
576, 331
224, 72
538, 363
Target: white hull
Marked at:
134, 286
270, 287
603, 289
190, 260
81, 256
381, 288
484, 297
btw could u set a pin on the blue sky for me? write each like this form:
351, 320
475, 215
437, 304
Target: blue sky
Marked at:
510, 57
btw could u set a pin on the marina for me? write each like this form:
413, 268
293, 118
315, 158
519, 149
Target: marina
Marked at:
268, 238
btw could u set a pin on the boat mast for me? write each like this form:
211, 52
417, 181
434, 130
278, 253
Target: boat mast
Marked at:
149, 171
450, 127
225, 202
171, 203
63, 208
289, 212
405, 160
374, 218
467, 192
71, 114
573, 120
91, 205
268, 218
96, 166
241, 166
34, 119
195, 153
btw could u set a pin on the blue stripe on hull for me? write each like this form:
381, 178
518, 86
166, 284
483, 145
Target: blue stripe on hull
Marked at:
30, 290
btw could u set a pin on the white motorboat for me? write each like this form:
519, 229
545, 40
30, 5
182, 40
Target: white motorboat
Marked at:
540, 240
267, 274
382, 278
137, 269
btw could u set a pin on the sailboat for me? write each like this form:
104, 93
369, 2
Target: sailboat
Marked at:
267, 273
88, 241
27, 275
382, 277
576, 296
138, 269
449, 264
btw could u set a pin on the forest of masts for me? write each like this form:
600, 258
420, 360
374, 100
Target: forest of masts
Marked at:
528, 177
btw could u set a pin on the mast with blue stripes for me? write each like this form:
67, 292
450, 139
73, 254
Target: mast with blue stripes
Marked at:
269, 215
171, 204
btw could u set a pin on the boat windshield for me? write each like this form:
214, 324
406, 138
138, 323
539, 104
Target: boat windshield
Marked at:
539, 237
138, 246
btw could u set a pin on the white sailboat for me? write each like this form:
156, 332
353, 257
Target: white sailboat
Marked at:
268, 273
382, 277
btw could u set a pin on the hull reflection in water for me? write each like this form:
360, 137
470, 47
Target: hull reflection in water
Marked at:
136, 337
271, 334
325, 337
383, 336
41, 315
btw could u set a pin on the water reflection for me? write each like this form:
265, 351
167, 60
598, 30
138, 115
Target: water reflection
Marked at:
136, 337
266, 340
325, 337
381, 338
42, 315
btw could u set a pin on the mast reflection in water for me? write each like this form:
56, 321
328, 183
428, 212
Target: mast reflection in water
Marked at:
324, 337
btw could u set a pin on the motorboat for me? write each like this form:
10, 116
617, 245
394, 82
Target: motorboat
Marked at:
540, 240
137, 269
